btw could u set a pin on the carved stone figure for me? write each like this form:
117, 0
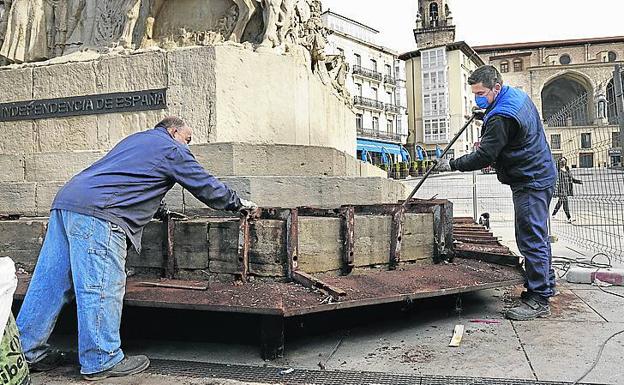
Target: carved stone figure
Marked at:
56, 25
25, 37
314, 35
278, 18
226, 24
600, 98
104, 24
338, 69
245, 11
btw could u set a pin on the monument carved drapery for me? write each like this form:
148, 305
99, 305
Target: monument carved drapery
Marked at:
36, 30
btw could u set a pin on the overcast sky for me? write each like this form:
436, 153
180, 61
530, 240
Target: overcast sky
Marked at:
491, 21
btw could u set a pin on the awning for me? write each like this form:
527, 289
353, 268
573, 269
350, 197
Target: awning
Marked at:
380, 147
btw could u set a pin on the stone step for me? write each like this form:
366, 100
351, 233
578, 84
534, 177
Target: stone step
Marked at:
209, 246
223, 159
35, 198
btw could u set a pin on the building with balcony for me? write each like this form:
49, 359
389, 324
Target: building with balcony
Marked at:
376, 83
439, 98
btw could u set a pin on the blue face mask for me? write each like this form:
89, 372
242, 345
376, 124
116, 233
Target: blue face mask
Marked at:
482, 101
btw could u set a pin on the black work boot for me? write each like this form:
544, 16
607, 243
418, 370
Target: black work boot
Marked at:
129, 366
530, 309
52, 360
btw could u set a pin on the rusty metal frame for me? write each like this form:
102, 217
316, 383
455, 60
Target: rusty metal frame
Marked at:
396, 237
348, 236
243, 247
170, 268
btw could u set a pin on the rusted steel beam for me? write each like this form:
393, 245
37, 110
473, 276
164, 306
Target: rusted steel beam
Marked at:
396, 236
292, 241
311, 282
348, 236
318, 212
170, 263
243, 247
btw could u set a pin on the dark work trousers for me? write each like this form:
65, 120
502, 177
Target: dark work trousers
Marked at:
563, 200
531, 209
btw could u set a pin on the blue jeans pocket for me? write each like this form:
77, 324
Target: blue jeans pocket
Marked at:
82, 226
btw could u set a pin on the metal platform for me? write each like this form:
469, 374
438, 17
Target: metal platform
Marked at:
465, 264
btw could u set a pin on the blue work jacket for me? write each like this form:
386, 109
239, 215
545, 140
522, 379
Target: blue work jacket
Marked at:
126, 186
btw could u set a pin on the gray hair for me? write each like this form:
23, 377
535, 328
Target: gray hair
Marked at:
488, 75
172, 123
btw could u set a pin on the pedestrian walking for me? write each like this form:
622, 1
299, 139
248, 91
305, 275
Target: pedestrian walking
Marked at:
565, 189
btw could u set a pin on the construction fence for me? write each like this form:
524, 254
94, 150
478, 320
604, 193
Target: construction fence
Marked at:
590, 188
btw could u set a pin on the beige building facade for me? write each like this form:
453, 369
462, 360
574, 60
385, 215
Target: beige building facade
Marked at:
439, 97
376, 82
571, 82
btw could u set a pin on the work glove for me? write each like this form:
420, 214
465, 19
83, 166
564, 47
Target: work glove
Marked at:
443, 165
248, 206
478, 113
163, 212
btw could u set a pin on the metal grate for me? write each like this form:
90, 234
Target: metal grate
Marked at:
271, 375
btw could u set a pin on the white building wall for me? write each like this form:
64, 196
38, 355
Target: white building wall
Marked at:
351, 46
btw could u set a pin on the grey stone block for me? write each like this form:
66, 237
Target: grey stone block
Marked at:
59, 166
22, 240
18, 137
112, 128
46, 192
191, 244
320, 244
151, 248
141, 71
18, 198
372, 240
19, 82
194, 206
267, 254
192, 72
418, 238
11, 168
67, 134
64, 80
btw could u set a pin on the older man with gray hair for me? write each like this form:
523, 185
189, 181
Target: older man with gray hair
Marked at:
84, 252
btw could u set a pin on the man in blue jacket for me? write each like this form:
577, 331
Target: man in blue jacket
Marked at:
84, 252
514, 142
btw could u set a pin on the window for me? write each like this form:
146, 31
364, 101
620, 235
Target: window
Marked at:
504, 67
434, 14
358, 89
555, 141
376, 123
565, 59
390, 126
375, 93
518, 65
374, 65
436, 130
389, 70
586, 160
359, 121
586, 141
434, 104
612, 56
615, 140
433, 58
358, 60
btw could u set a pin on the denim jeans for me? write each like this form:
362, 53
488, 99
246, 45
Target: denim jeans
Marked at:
531, 211
82, 257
